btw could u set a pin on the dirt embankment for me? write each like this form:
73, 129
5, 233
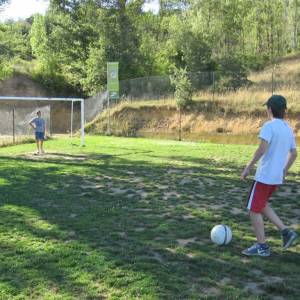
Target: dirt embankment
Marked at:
133, 121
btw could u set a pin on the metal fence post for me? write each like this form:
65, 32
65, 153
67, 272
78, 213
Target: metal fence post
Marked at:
108, 106
179, 123
213, 78
273, 80
13, 124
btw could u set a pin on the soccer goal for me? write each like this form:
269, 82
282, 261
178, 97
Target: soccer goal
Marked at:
16, 113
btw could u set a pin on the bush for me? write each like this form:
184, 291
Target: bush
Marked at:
183, 88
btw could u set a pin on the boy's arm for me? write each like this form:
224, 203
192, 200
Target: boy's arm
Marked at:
292, 157
32, 124
262, 148
45, 131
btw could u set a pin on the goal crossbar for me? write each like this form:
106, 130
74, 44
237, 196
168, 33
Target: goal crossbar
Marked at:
72, 100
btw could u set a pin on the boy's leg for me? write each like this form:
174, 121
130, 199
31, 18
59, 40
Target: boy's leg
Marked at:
288, 235
258, 226
42, 150
260, 248
38, 145
272, 216
256, 202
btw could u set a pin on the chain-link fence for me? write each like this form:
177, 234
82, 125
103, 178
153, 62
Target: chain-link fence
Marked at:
61, 117
217, 95
225, 104
15, 118
160, 87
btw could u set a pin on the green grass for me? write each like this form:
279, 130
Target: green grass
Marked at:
130, 219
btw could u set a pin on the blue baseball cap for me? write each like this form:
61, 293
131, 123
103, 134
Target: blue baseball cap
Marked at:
277, 102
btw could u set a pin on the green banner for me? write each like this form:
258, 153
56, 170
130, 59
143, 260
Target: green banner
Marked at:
113, 80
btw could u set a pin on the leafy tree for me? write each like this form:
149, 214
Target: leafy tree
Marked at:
183, 91
2, 2
183, 88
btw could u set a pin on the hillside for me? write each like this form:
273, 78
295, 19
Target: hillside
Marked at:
239, 112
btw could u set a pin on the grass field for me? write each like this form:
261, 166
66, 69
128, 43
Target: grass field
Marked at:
131, 218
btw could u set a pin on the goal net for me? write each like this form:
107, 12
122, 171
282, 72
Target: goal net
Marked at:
62, 116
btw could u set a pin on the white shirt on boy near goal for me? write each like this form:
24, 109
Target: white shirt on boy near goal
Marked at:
281, 141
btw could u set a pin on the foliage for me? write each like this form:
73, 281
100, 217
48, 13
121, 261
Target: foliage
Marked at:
13, 46
6, 70
183, 88
231, 75
75, 39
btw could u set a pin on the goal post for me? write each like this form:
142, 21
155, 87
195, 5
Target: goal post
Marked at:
49, 100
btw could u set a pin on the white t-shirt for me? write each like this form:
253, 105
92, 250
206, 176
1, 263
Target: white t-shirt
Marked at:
281, 141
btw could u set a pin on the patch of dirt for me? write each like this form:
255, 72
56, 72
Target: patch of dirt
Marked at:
71, 233
185, 181
190, 255
49, 155
168, 195
143, 194
216, 206
123, 235
184, 242
91, 186
273, 279
157, 257
140, 229
295, 222
209, 182
173, 251
118, 191
237, 211
253, 288
174, 171
144, 209
212, 291
188, 217
256, 272
225, 281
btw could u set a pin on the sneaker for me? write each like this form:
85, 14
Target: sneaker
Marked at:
257, 250
288, 239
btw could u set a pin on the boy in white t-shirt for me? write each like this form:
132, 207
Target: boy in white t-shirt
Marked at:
276, 152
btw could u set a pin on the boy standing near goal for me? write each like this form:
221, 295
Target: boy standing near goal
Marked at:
276, 152
38, 124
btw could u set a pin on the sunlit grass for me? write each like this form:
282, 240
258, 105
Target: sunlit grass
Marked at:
130, 219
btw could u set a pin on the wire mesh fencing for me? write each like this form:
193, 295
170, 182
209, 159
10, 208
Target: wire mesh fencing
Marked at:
60, 117
15, 118
216, 94
225, 104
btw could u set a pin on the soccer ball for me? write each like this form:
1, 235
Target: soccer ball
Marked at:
221, 234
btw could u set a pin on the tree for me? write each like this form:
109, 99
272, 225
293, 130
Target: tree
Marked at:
2, 2
183, 91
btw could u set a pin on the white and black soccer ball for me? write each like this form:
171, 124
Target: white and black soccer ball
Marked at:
221, 234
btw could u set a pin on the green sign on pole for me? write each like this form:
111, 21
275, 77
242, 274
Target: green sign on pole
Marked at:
113, 80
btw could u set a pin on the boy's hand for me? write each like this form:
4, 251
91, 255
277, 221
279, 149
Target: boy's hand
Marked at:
245, 173
284, 174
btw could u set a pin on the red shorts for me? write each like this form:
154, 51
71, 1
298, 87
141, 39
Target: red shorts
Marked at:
259, 196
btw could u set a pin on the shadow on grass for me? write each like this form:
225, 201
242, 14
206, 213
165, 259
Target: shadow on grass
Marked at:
108, 226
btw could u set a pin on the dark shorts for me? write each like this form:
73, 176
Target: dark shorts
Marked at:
259, 196
39, 136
